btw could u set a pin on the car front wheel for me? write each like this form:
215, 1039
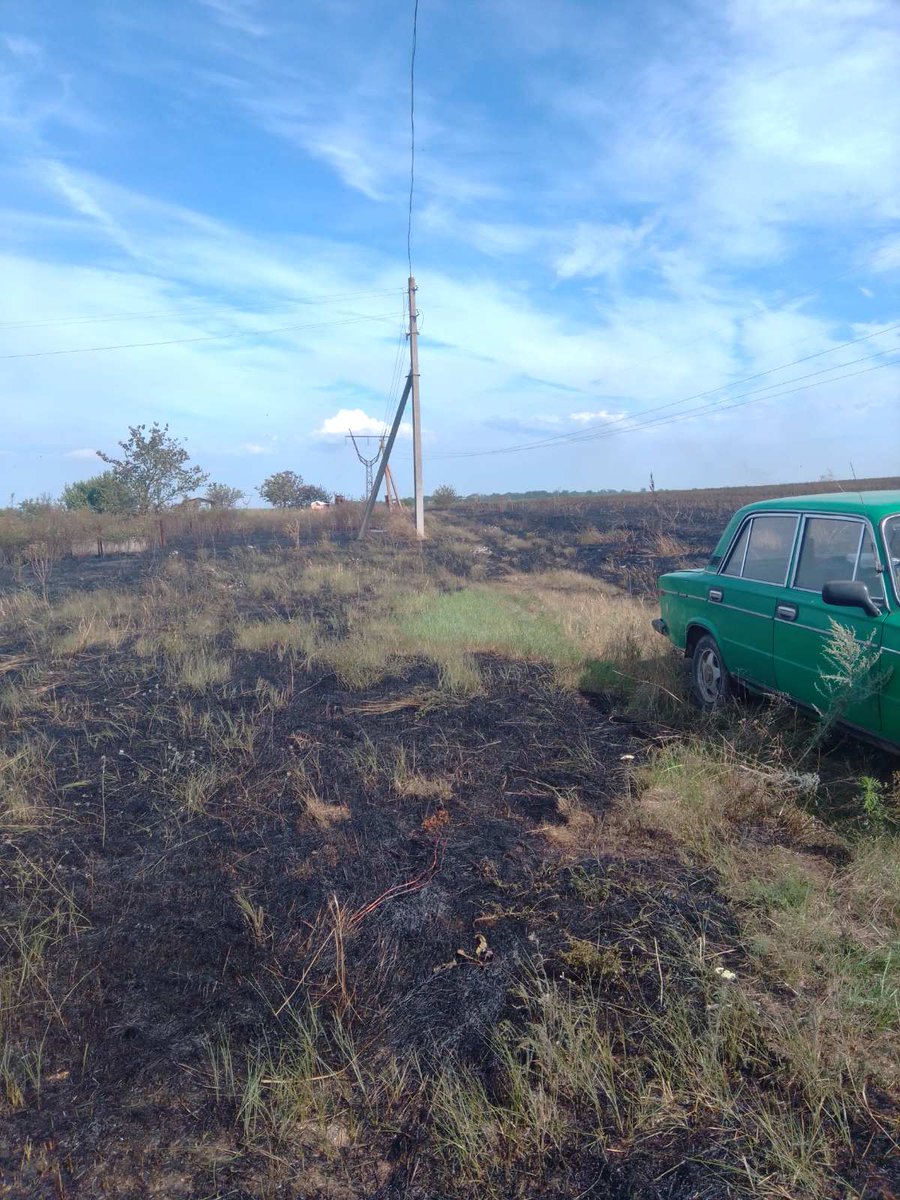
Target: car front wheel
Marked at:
709, 676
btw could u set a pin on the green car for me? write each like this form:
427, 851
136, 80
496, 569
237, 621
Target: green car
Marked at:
762, 612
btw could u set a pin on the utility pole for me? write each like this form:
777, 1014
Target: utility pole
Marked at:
382, 465
411, 389
416, 412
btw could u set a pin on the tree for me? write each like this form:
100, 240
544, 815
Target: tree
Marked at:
444, 495
105, 493
220, 495
37, 506
154, 468
286, 489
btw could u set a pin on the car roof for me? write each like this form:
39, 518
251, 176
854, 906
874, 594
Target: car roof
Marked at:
876, 505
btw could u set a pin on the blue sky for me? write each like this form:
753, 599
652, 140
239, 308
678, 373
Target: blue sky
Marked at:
618, 208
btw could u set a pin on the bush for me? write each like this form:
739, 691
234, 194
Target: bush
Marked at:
105, 493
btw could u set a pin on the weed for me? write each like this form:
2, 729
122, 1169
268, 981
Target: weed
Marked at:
292, 1090
25, 780
588, 961
459, 676
872, 798
254, 915
854, 674
199, 669
359, 660
297, 635
193, 789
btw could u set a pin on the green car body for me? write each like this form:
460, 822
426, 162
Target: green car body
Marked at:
759, 616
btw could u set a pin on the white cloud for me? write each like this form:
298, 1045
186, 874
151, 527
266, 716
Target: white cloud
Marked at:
359, 422
83, 453
255, 448
584, 418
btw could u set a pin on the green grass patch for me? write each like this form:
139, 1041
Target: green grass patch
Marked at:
485, 620
870, 984
790, 891
600, 675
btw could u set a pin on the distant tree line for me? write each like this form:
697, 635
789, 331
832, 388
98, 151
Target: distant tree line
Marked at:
153, 471
446, 495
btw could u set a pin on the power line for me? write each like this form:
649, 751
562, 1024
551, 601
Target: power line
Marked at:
412, 132
396, 373
210, 337
202, 309
715, 407
584, 433
739, 402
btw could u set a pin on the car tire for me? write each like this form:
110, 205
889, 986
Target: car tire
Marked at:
710, 681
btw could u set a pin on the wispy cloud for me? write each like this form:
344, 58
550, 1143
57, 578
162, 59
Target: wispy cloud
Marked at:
239, 15
601, 249
23, 47
887, 256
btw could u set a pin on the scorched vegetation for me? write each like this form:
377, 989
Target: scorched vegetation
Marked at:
376, 870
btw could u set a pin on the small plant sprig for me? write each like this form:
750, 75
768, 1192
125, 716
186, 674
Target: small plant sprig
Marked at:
872, 799
853, 675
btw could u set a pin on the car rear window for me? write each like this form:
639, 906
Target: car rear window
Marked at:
735, 560
763, 549
837, 549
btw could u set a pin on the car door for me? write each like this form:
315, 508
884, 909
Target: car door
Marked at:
890, 635
831, 547
746, 590
889, 699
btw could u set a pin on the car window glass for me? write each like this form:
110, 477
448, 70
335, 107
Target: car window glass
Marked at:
736, 557
769, 550
892, 545
867, 572
828, 551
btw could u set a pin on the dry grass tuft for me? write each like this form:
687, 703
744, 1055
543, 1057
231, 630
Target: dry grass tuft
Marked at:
578, 828
323, 814
413, 784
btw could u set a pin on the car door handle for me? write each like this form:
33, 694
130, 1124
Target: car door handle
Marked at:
716, 595
786, 612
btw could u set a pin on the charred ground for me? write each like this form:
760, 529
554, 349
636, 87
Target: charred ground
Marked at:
322, 876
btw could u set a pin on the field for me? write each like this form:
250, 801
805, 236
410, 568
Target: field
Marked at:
340, 869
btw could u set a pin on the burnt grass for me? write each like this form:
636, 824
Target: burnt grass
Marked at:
161, 963
168, 961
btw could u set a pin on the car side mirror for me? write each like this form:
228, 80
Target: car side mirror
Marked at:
850, 593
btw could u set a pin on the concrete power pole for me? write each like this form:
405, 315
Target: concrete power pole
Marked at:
418, 492
411, 389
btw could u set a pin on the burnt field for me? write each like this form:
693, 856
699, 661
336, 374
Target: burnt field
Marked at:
341, 870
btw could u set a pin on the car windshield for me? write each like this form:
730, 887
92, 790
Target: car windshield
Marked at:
892, 546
